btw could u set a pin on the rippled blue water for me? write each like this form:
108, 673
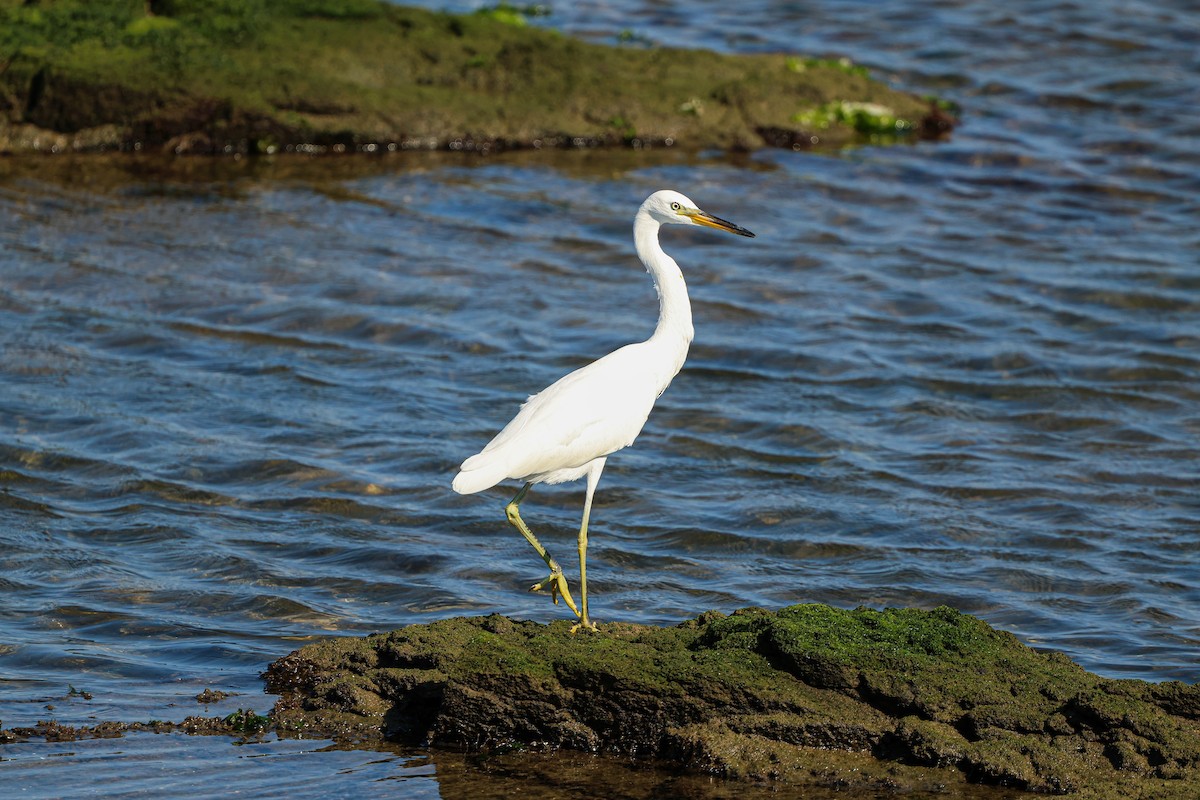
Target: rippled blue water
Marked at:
961, 373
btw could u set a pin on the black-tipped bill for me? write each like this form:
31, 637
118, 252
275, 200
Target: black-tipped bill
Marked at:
704, 218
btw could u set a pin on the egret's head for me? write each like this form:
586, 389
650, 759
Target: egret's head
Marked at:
670, 207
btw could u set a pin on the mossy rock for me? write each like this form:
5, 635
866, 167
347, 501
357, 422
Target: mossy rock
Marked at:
278, 75
807, 695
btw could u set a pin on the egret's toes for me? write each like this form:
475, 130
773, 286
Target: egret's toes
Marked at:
584, 625
556, 582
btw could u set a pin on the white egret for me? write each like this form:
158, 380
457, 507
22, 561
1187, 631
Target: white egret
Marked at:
568, 430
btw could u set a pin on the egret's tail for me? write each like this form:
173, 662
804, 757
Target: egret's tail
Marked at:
477, 474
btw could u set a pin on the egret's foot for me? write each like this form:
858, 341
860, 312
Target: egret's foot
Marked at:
584, 624
556, 582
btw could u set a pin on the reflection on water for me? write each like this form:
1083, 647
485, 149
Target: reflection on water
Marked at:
232, 394
292, 768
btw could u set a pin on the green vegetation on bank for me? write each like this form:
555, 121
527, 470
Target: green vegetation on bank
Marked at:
268, 75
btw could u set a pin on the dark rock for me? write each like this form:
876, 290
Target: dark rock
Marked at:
807, 695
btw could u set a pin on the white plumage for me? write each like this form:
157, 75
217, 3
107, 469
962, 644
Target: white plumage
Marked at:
567, 430
590, 413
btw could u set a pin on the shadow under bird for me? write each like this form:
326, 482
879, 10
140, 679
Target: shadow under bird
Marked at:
569, 429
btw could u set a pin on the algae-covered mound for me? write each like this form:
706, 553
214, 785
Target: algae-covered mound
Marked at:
807, 695
278, 75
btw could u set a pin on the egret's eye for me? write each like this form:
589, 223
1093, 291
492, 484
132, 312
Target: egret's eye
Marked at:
674, 206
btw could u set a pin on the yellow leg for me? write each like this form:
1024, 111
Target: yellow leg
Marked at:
555, 582
585, 623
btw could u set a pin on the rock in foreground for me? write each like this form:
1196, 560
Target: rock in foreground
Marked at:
808, 695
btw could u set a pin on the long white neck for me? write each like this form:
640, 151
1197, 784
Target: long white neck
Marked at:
674, 331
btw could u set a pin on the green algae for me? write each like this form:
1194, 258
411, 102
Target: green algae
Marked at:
797, 64
809, 695
246, 721
273, 75
879, 123
513, 15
